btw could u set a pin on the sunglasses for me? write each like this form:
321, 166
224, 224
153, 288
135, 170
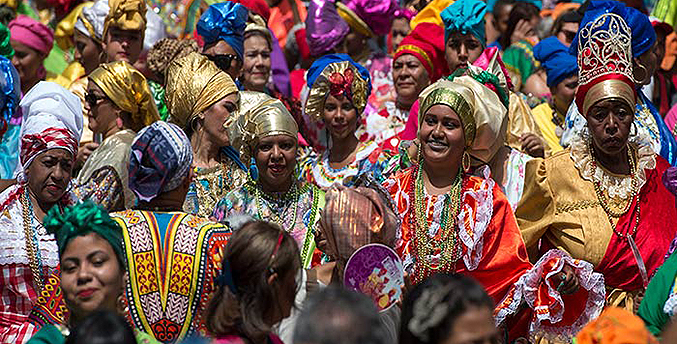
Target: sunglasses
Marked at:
93, 99
570, 35
224, 62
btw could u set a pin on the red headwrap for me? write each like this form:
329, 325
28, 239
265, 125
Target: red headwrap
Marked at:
426, 43
34, 144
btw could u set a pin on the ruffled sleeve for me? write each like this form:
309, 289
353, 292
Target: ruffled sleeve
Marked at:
536, 210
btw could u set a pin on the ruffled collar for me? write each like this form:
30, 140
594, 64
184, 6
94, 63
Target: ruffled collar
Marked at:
614, 185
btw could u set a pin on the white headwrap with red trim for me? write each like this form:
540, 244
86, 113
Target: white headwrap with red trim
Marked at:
52, 118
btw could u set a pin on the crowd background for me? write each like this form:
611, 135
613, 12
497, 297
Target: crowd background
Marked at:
202, 171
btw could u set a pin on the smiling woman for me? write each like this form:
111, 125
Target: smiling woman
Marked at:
51, 128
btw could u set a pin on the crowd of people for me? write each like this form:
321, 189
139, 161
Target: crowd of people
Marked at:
203, 171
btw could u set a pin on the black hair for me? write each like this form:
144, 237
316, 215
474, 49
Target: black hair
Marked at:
102, 327
430, 309
500, 4
339, 316
521, 10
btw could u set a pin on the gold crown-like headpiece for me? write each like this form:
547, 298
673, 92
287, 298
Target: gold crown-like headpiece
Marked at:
604, 47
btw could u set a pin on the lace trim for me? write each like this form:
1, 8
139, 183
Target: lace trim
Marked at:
546, 316
615, 186
474, 225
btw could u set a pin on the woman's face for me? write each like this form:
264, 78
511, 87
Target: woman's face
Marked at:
567, 33
256, 67
340, 117
102, 113
399, 30
222, 52
609, 122
441, 136
216, 116
462, 50
410, 78
649, 60
87, 52
49, 174
276, 160
27, 62
123, 45
565, 91
91, 275
474, 326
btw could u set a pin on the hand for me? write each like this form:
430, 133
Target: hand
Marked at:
523, 31
84, 152
532, 145
568, 281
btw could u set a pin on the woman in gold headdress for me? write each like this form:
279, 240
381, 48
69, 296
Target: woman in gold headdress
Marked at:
201, 100
124, 30
267, 132
119, 104
602, 199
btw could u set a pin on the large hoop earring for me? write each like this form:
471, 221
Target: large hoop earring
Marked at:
645, 73
466, 162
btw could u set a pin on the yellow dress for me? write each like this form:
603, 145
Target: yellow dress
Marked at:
543, 117
521, 121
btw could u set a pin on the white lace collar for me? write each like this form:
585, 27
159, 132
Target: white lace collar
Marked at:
615, 186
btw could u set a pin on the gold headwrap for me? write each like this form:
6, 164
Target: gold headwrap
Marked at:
13, 4
321, 87
259, 116
355, 22
128, 89
193, 84
126, 15
258, 24
66, 28
609, 89
482, 115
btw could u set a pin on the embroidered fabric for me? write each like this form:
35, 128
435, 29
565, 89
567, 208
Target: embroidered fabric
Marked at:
474, 225
325, 176
529, 289
615, 186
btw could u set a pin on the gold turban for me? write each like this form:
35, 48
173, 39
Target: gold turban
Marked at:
259, 116
193, 84
126, 15
483, 117
128, 89
322, 86
63, 34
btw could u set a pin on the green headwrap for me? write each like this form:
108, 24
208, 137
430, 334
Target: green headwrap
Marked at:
82, 219
5, 48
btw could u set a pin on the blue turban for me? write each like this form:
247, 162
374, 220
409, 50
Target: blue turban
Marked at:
10, 91
466, 16
555, 57
643, 34
224, 21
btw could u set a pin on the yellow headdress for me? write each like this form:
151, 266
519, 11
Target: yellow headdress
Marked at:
128, 89
126, 15
193, 84
66, 28
259, 116
483, 116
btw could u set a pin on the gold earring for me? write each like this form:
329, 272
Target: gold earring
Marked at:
645, 73
122, 306
466, 162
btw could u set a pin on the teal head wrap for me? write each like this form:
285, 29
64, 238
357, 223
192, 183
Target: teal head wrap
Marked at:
467, 17
82, 219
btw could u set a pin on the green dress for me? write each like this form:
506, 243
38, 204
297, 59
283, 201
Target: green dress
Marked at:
660, 298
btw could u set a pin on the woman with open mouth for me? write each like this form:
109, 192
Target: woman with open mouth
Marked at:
93, 270
266, 132
339, 89
51, 129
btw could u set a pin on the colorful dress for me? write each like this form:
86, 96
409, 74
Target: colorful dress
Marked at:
384, 127
57, 334
562, 207
297, 211
369, 159
659, 304
513, 187
212, 184
173, 259
25, 306
104, 177
484, 239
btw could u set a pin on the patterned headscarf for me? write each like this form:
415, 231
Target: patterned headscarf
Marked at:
260, 116
225, 21
126, 15
160, 159
92, 19
128, 89
336, 74
466, 17
193, 84
52, 118
81, 219
483, 116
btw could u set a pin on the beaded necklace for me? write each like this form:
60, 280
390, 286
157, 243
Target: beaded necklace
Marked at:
425, 246
32, 247
280, 206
